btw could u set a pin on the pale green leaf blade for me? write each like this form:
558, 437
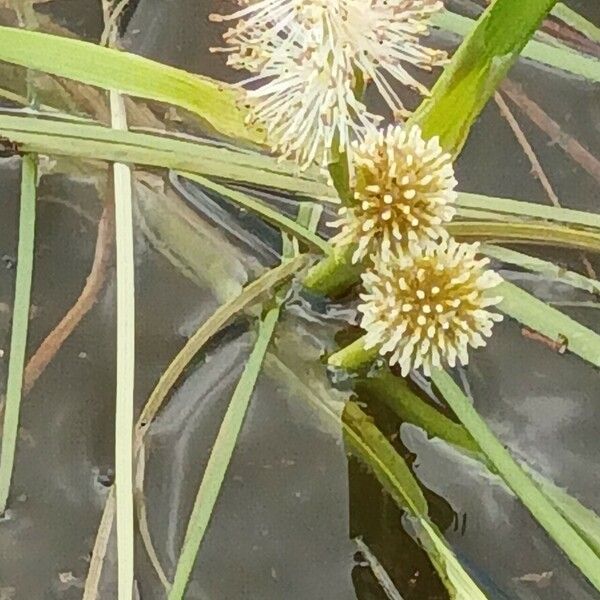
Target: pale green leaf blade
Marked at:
129, 74
20, 325
555, 325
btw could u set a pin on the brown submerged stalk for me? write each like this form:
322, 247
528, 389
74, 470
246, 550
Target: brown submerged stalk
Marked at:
48, 349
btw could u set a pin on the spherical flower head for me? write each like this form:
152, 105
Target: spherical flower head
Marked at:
426, 309
403, 194
310, 60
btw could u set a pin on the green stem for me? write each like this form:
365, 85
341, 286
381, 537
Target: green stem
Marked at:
220, 458
519, 482
406, 404
20, 323
334, 274
354, 356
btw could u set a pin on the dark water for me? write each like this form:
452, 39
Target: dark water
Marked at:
293, 502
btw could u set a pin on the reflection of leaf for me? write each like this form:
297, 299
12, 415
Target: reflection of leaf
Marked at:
407, 405
198, 251
371, 446
557, 527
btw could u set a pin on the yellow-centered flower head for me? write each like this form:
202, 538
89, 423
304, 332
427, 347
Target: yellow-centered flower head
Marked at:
426, 309
403, 194
310, 60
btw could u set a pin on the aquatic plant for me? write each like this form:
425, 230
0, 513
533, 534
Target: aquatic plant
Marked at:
402, 194
425, 296
425, 308
311, 59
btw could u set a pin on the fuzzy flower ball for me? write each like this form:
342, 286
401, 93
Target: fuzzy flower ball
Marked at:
310, 60
403, 194
427, 309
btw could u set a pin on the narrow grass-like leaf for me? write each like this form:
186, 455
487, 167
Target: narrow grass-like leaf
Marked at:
574, 546
335, 273
88, 141
477, 68
223, 448
545, 268
20, 325
215, 101
577, 22
585, 521
220, 457
125, 262
559, 57
79, 140
129, 74
557, 326
373, 448
528, 209
526, 232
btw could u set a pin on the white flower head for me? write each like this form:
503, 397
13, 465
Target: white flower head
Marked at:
310, 58
403, 194
426, 309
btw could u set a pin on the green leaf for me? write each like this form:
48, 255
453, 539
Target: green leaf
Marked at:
477, 68
370, 446
20, 325
557, 56
222, 451
89, 141
557, 326
96, 142
129, 74
220, 457
548, 270
396, 394
373, 448
577, 22
585, 521
567, 538
527, 209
